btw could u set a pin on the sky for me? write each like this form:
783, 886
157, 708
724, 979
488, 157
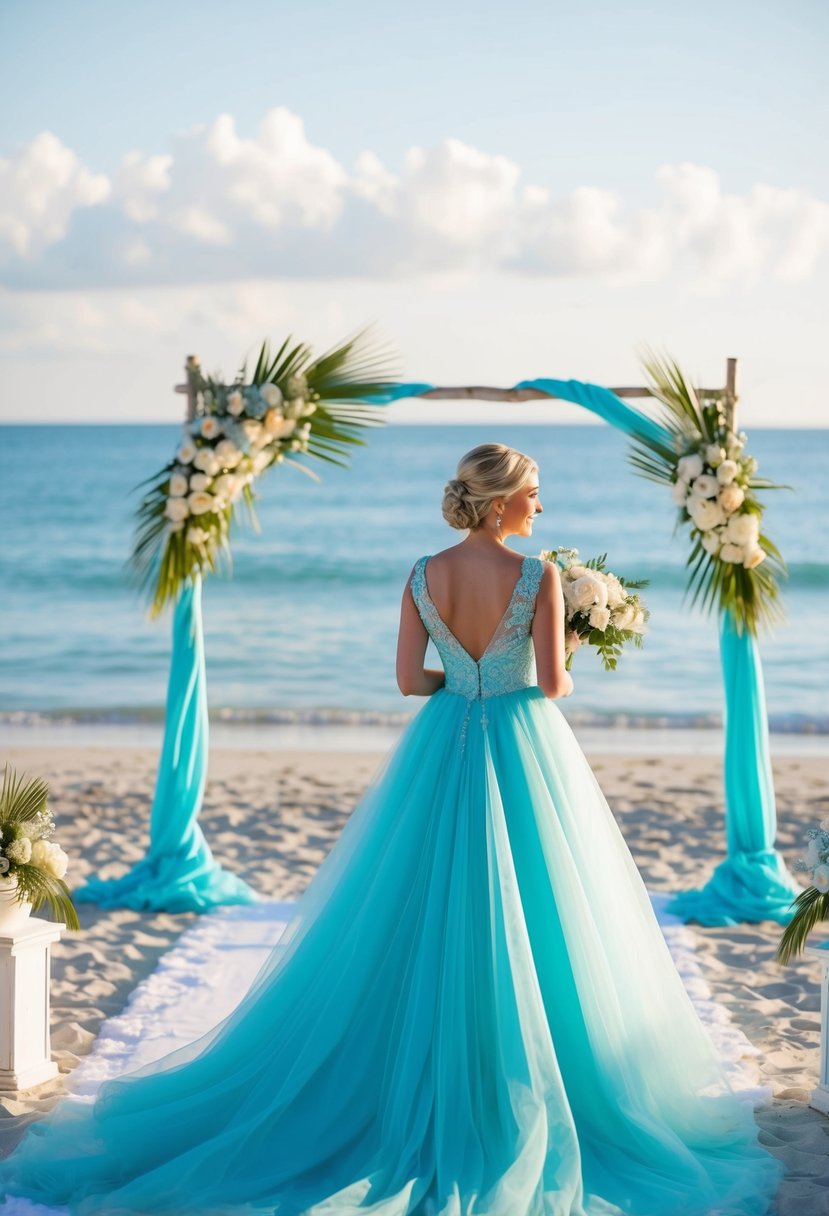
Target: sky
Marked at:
504, 190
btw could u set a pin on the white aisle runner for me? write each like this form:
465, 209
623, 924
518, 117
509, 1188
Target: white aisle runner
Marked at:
200, 980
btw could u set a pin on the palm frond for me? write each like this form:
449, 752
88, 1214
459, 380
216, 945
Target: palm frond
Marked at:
40, 888
21, 798
811, 906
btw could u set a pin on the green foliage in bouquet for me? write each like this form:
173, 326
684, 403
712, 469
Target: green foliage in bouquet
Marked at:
27, 853
602, 608
733, 565
292, 405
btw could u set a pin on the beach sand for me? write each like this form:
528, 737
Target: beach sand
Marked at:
272, 817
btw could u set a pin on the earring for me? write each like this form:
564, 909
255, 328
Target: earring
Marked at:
497, 521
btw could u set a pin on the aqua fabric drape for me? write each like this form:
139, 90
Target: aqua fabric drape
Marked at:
752, 883
178, 873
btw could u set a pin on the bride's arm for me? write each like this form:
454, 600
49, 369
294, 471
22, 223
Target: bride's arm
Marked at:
548, 636
413, 679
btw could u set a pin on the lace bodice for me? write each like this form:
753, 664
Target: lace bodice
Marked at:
508, 663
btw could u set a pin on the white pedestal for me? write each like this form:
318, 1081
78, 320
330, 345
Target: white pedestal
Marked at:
25, 1051
820, 1096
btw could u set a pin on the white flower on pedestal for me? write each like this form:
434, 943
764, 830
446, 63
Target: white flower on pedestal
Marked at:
689, 467
209, 427
705, 486
754, 557
235, 403
178, 485
731, 498
176, 509
706, 513
743, 529
200, 503
714, 455
227, 454
732, 553
48, 856
205, 460
727, 471
186, 452
679, 492
711, 542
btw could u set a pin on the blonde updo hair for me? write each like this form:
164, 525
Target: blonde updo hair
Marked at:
489, 471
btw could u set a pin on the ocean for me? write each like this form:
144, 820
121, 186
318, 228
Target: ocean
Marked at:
303, 633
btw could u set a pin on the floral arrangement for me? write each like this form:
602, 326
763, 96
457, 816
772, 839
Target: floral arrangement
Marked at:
601, 608
27, 852
812, 904
714, 483
291, 406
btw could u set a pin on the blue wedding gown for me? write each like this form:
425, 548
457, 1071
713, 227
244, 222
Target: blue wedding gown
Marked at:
473, 1011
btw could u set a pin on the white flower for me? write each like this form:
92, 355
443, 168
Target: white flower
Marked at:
679, 492
197, 536
227, 454
821, 878
200, 503
689, 467
235, 403
616, 594
574, 572
623, 617
273, 420
714, 455
599, 618
176, 527
186, 452
254, 431
229, 486
19, 851
209, 427
711, 542
48, 856
743, 529
705, 513
638, 624
753, 557
588, 591
199, 481
176, 509
271, 393
732, 553
730, 498
705, 486
178, 485
205, 460
727, 471
261, 460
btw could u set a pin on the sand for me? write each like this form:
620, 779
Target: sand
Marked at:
272, 817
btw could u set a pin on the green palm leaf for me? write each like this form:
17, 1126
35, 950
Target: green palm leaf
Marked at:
811, 906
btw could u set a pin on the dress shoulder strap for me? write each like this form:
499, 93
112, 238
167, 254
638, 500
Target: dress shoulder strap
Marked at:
417, 582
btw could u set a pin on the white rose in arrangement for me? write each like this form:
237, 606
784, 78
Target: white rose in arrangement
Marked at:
820, 878
205, 460
615, 591
271, 393
753, 557
705, 486
48, 856
743, 529
227, 454
235, 403
638, 624
679, 492
228, 486
178, 485
727, 471
732, 553
199, 481
711, 542
176, 509
200, 502
589, 590
599, 618
19, 851
714, 455
689, 467
197, 536
706, 514
186, 452
731, 498
574, 572
209, 427
623, 616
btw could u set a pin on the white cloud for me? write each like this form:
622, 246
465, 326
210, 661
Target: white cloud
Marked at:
220, 206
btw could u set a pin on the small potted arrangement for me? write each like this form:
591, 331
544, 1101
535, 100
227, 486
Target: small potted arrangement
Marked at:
32, 865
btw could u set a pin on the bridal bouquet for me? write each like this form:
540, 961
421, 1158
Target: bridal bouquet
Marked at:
812, 904
30, 862
601, 609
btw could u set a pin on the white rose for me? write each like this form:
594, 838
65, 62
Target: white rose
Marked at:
588, 591
574, 572
178, 485
706, 514
743, 529
753, 557
714, 455
732, 553
19, 851
186, 452
200, 503
730, 498
271, 393
727, 471
205, 460
711, 542
176, 509
638, 624
705, 486
199, 481
820, 878
599, 618
209, 427
197, 536
227, 454
679, 492
48, 856
615, 592
229, 486
235, 403
689, 467
623, 617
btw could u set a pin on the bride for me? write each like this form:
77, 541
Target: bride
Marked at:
473, 1011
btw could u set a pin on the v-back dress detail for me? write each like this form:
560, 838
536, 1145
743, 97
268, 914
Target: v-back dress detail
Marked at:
473, 1011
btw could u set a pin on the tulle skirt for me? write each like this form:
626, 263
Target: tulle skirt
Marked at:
472, 1011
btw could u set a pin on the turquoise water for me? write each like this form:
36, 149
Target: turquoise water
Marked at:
305, 629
